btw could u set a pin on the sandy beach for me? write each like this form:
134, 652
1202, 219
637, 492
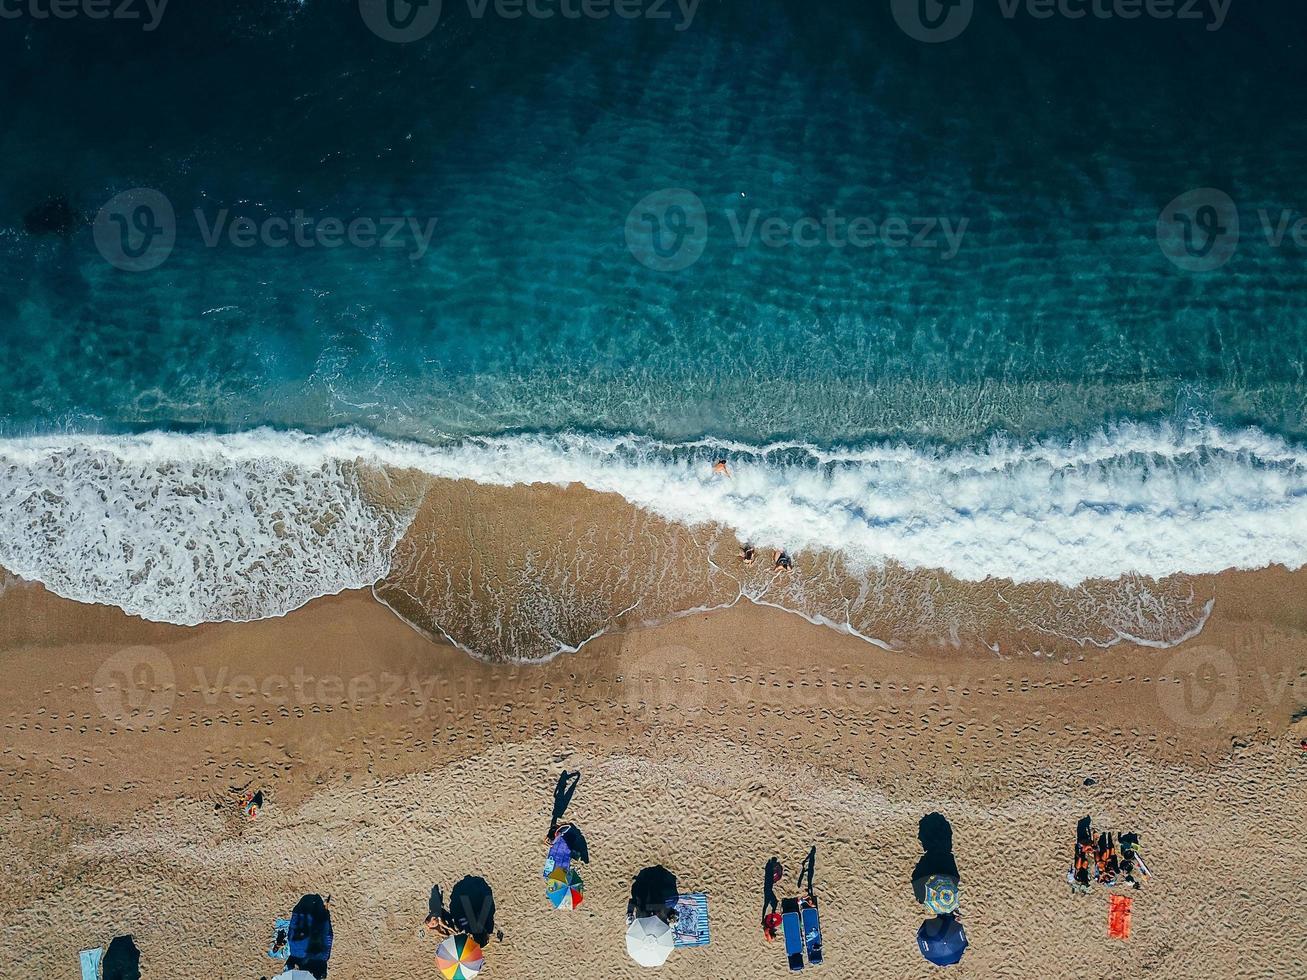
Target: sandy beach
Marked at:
708, 744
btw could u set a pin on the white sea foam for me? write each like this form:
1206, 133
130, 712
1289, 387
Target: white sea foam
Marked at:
193, 527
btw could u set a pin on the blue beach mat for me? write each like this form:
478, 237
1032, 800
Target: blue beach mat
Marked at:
691, 926
90, 959
280, 931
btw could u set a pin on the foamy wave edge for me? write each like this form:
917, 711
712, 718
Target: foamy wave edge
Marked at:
191, 528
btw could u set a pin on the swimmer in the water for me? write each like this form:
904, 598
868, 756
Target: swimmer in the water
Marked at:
720, 468
783, 562
746, 554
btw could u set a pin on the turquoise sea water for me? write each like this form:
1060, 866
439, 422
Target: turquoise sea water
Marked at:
528, 142
1030, 160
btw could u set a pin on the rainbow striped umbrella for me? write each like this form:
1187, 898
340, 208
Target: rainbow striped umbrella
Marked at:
459, 957
564, 888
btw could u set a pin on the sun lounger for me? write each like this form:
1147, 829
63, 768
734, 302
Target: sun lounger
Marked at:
792, 929
812, 934
691, 926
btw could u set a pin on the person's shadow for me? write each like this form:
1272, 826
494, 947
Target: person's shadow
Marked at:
936, 836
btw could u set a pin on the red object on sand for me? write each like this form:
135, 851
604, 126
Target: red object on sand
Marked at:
1118, 916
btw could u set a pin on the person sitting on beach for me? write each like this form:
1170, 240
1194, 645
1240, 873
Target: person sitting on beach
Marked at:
249, 802
720, 468
746, 554
781, 561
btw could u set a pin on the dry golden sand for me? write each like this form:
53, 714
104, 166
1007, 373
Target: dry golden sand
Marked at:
708, 744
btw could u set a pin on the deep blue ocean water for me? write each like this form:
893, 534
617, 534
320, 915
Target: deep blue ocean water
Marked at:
528, 142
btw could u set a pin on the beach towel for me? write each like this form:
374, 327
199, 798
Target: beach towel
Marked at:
559, 856
91, 963
1118, 916
280, 947
691, 925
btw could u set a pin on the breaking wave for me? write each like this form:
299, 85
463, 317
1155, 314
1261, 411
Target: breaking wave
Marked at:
189, 528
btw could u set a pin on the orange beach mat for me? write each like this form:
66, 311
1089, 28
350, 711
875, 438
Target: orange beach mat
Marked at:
1118, 916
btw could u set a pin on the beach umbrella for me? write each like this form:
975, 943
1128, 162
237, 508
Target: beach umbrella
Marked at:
294, 975
459, 957
941, 894
942, 940
564, 888
650, 941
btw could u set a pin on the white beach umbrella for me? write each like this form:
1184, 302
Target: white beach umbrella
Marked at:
650, 941
294, 975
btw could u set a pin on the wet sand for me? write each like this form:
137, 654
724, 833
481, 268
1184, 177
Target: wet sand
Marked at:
708, 744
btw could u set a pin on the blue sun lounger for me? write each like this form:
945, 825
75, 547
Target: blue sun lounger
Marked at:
792, 929
812, 935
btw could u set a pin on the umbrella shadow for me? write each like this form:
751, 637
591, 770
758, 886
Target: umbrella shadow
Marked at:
936, 836
122, 960
472, 908
653, 892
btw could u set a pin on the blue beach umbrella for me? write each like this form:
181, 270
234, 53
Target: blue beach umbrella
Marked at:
942, 940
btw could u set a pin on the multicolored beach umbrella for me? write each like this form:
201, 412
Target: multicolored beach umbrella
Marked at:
459, 957
941, 894
564, 888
